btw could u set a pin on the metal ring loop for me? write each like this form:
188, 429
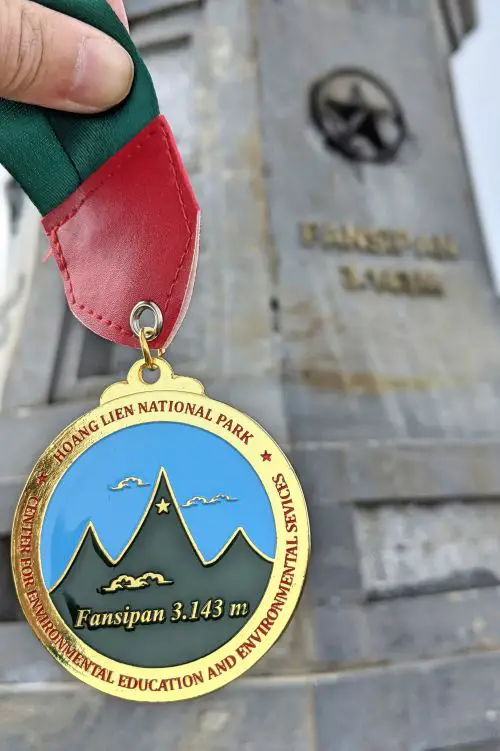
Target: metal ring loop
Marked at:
141, 308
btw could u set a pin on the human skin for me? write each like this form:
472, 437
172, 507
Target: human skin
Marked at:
52, 60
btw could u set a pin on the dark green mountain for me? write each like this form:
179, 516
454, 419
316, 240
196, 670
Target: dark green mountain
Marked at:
162, 545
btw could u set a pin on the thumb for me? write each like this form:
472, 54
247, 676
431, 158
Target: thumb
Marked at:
52, 60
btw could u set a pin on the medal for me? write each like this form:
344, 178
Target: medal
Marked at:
161, 542
160, 545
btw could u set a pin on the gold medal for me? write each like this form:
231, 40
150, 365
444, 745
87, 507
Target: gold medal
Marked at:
160, 545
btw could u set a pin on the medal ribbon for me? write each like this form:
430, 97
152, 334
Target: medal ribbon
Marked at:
51, 153
118, 207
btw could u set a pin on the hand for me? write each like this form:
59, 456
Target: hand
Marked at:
55, 61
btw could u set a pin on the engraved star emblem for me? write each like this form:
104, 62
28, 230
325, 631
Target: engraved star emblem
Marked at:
266, 456
359, 117
42, 478
163, 506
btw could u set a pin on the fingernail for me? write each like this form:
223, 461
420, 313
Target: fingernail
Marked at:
104, 74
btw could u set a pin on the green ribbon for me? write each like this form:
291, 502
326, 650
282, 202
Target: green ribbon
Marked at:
51, 153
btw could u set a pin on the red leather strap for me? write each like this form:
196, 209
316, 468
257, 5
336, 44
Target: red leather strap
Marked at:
129, 233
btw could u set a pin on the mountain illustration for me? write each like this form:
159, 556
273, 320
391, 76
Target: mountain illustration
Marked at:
162, 544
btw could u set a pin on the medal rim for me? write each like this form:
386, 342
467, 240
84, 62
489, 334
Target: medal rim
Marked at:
263, 442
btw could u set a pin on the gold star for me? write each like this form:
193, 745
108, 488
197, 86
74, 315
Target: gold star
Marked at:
163, 506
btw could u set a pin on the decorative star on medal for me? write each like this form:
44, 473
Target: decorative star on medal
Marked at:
42, 478
163, 506
266, 456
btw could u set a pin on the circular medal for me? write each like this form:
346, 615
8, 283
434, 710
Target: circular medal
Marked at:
161, 542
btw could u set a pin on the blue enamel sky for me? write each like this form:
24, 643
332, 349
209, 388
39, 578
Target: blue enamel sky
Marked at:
197, 463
